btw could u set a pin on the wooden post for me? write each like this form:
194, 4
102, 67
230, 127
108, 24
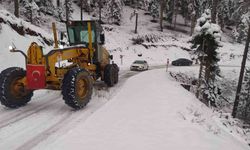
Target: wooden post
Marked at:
243, 64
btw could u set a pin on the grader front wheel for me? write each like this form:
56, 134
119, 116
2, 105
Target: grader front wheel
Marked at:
77, 88
13, 92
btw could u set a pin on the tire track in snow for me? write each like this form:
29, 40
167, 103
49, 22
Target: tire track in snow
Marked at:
67, 116
8, 120
67, 119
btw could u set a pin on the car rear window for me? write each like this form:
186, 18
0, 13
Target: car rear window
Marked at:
139, 62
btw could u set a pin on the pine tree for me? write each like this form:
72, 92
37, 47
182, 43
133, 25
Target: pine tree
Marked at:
153, 8
113, 10
68, 9
46, 7
240, 32
197, 7
214, 11
184, 10
205, 42
31, 11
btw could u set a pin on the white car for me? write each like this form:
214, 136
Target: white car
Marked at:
139, 65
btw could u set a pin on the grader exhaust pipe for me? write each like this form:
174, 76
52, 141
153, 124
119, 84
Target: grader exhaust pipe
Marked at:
55, 34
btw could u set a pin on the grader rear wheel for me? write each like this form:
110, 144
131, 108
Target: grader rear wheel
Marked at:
13, 92
109, 75
116, 73
77, 88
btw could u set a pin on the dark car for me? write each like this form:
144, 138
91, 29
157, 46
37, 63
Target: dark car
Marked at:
182, 62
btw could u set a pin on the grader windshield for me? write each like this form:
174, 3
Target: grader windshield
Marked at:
78, 33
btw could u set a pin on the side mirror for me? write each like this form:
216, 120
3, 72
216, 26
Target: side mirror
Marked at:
102, 39
61, 36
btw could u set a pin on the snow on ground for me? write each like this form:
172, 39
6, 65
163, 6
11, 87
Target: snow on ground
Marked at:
159, 115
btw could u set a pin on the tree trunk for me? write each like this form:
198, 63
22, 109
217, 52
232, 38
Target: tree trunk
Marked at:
201, 70
100, 10
243, 64
193, 22
214, 11
193, 19
162, 7
16, 3
136, 21
31, 15
112, 11
58, 3
67, 10
81, 7
175, 13
186, 19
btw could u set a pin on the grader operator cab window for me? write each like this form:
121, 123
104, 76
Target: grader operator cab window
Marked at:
78, 33
84, 36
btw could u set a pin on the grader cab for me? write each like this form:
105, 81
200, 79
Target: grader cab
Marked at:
73, 69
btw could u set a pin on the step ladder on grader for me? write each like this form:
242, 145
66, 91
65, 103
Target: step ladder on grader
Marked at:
84, 61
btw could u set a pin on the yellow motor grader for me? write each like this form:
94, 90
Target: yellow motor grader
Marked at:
73, 70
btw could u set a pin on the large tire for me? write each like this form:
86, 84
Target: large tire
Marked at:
77, 88
13, 94
116, 73
109, 75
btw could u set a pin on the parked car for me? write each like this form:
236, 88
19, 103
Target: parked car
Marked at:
182, 62
139, 65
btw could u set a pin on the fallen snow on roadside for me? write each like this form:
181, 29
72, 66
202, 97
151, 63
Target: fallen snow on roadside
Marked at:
150, 112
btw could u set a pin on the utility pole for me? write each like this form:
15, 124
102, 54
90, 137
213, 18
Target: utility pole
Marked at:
16, 3
243, 64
